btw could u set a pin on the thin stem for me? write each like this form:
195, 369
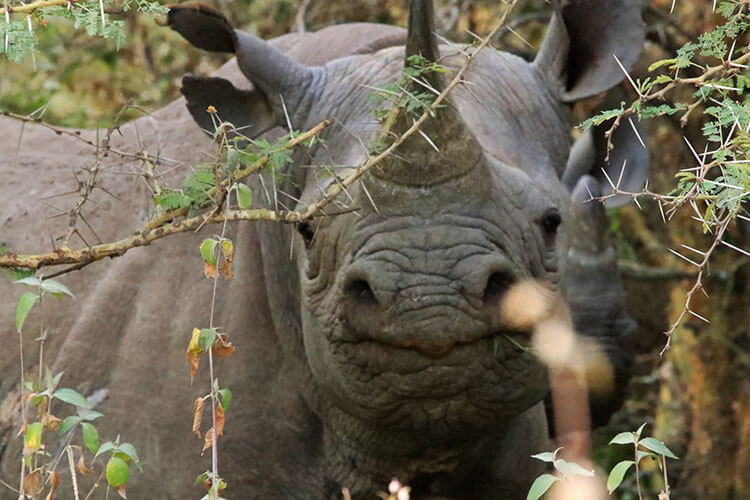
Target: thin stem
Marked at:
637, 471
23, 412
214, 396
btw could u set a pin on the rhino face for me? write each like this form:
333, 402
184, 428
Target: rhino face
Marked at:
401, 299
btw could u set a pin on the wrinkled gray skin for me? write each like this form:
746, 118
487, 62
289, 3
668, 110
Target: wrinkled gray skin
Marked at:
377, 349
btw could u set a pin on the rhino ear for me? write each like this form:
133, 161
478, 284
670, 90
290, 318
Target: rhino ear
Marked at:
628, 164
278, 79
248, 110
577, 54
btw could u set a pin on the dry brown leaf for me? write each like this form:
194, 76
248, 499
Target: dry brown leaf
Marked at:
121, 491
54, 479
220, 419
222, 348
209, 270
82, 468
33, 483
208, 440
51, 422
198, 416
227, 269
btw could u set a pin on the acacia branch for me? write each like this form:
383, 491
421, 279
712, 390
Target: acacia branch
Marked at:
31, 7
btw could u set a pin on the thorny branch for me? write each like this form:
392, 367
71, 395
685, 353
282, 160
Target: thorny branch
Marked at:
29, 8
164, 225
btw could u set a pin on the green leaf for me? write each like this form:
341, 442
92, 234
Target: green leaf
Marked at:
127, 452
54, 381
225, 395
68, 424
30, 281
90, 437
623, 438
72, 397
207, 250
540, 486
244, 196
55, 288
659, 64
617, 474
547, 456
20, 273
602, 117
658, 447
89, 415
104, 448
568, 469
25, 303
201, 477
643, 454
118, 472
207, 338
171, 199
640, 430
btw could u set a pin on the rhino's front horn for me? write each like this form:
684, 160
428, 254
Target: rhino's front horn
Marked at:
275, 74
444, 147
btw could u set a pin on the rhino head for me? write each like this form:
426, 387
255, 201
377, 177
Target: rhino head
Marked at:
390, 309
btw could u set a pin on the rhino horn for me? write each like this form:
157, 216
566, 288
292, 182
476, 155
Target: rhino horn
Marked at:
444, 147
420, 40
277, 76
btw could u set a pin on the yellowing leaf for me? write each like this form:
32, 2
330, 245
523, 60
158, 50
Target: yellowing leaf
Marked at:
194, 351
222, 348
198, 416
33, 438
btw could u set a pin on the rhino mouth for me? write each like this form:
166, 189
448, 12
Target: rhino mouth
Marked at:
472, 384
500, 343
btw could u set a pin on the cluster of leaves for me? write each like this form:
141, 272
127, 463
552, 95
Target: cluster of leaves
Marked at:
40, 393
411, 92
720, 71
642, 448
239, 157
210, 340
19, 40
564, 470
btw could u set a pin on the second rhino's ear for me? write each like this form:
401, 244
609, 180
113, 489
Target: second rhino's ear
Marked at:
628, 165
577, 54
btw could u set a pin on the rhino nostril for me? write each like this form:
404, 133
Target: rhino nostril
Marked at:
497, 284
359, 291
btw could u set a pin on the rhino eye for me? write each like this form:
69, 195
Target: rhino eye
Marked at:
550, 221
307, 232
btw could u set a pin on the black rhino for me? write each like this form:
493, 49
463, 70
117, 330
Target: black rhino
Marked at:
377, 350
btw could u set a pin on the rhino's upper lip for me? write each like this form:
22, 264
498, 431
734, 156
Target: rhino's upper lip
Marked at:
443, 350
